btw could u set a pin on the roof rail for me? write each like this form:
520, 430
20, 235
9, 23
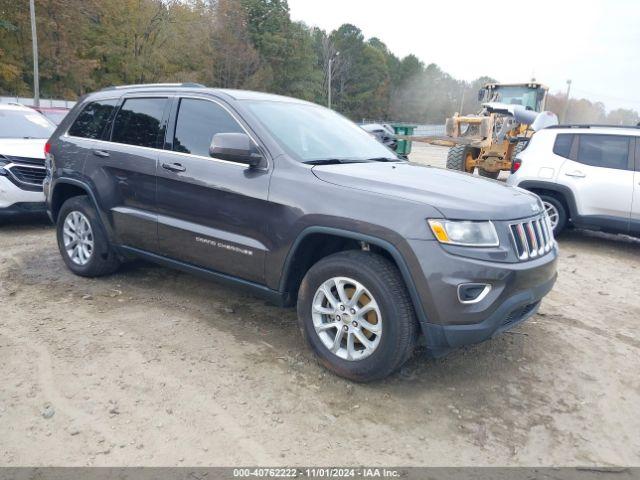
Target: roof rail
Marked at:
148, 85
595, 125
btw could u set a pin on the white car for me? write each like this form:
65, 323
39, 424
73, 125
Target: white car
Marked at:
586, 175
23, 135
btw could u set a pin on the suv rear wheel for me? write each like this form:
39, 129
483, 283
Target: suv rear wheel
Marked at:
556, 211
356, 315
82, 242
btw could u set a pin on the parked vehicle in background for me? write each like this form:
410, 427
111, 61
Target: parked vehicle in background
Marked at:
299, 205
23, 135
55, 114
587, 176
383, 133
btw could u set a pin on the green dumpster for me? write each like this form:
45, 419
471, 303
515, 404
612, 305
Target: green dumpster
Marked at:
404, 146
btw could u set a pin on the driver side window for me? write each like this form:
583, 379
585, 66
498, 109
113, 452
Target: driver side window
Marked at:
196, 124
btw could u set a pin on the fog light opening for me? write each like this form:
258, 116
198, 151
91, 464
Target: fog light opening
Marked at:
473, 292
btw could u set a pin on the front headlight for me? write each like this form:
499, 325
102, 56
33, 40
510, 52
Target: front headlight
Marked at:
465, 233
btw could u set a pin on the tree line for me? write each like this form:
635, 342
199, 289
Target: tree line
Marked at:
85, 45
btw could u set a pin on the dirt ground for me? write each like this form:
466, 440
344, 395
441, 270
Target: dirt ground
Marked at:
156, 367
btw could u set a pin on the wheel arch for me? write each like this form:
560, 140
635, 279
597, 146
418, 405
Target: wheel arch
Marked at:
66, 188
303, 254
563, 193
62, 191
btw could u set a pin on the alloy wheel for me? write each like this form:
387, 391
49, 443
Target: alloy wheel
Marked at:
347, 318
552, 212
77, 237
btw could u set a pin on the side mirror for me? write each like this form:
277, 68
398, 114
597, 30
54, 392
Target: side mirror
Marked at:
235, 147
481, 94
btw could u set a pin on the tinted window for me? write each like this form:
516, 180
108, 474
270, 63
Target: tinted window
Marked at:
92, 120
198, 121
608, 151
562, 145
138, 122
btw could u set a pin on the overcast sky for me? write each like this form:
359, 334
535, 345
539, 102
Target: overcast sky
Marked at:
595, 43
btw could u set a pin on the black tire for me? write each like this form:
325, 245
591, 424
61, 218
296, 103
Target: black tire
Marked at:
103, 259
485, 174
383, 280
560, 208
456, 158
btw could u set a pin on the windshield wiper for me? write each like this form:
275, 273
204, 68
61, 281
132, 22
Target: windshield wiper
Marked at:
383, 159
331, 161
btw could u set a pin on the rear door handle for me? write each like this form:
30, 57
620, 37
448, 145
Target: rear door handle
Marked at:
577, 173
174, 167
101, 153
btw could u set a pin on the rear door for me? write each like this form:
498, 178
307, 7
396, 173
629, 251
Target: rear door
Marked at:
123, 169
211, 212
635, 207
600, 174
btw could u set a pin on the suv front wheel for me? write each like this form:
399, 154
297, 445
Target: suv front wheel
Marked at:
82, 242
356, 315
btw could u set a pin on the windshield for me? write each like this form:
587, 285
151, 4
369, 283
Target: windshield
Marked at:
524, 96
310, 132
24, 124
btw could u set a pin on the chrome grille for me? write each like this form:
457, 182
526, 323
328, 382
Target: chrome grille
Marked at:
25, 174
27, 160
533, 237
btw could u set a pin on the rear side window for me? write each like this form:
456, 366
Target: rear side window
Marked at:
197, 122
139, 122
93, 118
562, 145
607, 151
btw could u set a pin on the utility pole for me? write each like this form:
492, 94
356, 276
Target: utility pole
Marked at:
566, 103
329, 75
464, 90
34, 41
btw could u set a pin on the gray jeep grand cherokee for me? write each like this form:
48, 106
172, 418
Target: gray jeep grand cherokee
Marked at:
299, 205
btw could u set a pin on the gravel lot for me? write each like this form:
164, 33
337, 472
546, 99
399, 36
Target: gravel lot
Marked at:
155, 367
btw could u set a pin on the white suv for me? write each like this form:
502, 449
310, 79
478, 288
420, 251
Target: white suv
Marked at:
586, 175
23, 135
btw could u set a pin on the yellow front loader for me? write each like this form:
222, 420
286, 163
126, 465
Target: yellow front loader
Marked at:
491, 138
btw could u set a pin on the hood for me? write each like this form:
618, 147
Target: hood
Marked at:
23, 147
457, 195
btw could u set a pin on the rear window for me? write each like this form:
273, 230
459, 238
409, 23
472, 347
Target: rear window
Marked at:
138, 122
607, 151
92, 120
562, 145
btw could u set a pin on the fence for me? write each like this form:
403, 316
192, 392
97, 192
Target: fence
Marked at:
44, 102
422, 130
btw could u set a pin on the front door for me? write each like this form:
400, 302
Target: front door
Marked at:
210, 211
601, 177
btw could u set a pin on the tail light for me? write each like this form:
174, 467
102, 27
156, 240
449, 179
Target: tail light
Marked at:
517, 163
47, 156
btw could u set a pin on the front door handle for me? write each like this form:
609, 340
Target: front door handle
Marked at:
101, 153
174, 167
577, 174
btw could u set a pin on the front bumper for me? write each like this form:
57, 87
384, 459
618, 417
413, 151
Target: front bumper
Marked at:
515, 295
12, 197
